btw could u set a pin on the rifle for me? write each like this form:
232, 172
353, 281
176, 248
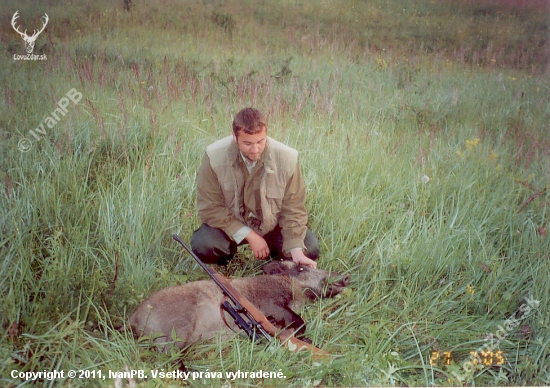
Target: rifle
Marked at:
247, 317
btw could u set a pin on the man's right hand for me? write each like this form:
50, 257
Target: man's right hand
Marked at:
258, 245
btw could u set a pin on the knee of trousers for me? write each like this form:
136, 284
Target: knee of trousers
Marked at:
313, 251
212, 244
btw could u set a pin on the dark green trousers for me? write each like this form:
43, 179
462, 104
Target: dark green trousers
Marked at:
213, 246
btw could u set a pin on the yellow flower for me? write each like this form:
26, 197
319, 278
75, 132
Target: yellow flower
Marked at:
472, 143
492, 156
381, 63
471, 290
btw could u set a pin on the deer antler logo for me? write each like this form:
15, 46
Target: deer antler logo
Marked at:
29, 40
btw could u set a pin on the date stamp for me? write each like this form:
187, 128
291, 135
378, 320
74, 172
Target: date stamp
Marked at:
481, 357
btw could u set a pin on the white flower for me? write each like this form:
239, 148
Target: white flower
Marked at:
425, 178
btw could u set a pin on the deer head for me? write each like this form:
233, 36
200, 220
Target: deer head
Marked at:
29, 40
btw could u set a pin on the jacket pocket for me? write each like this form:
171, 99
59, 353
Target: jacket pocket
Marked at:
230, 196
275, 195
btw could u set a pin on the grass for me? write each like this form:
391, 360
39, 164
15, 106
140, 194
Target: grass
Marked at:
423, 138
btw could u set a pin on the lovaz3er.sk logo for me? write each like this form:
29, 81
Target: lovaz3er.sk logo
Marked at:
29, 40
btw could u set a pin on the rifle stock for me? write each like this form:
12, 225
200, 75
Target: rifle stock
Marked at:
257, 321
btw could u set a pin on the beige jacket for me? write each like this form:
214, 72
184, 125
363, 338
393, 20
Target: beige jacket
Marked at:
274, 191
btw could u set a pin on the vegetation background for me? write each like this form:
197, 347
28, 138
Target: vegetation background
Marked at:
423, 130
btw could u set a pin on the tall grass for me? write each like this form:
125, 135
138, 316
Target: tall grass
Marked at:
423, 138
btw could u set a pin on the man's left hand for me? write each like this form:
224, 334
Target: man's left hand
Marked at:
299, 257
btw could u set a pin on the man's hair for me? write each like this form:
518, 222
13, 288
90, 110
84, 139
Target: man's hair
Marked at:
250, 121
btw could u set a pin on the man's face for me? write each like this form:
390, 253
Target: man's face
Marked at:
251, 146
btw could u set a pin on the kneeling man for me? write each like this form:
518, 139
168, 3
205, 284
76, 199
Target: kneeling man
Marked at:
250, 190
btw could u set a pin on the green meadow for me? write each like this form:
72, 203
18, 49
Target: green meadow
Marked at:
424, 138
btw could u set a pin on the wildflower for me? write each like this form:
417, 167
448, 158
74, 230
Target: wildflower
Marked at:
471, 290
492, 156
425, 178
472, 143
381, 63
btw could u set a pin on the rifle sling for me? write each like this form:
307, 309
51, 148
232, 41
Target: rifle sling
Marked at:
222, 313
222, 310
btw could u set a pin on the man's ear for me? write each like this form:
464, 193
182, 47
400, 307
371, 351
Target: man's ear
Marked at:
234, 137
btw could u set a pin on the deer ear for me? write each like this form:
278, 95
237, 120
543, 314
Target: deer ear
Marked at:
275, 268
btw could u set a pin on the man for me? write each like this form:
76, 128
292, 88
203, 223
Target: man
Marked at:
250, 190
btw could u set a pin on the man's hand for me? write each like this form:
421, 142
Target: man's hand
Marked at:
299, 257
257, 245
